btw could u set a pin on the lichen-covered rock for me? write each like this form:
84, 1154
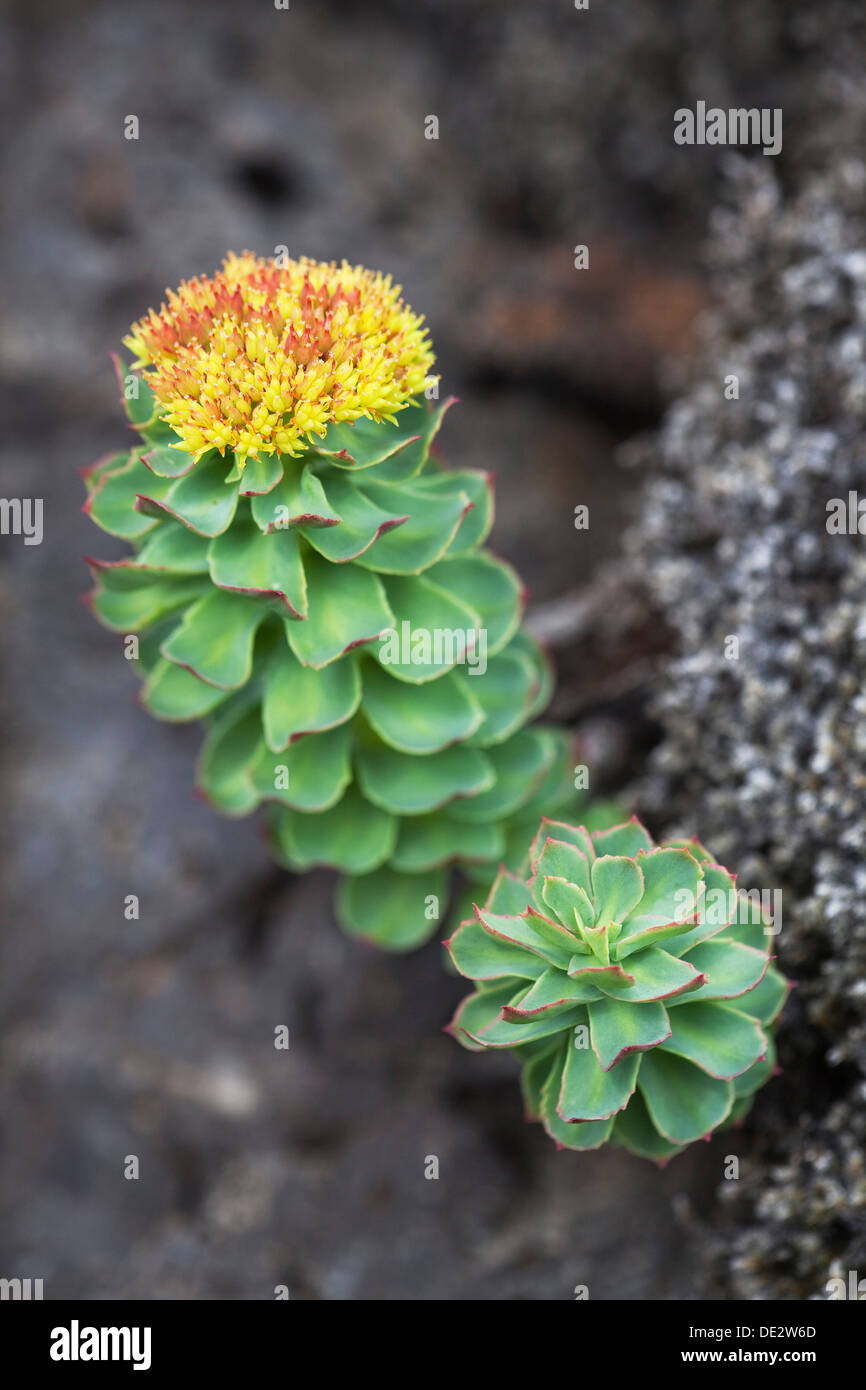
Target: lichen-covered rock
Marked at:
764, 746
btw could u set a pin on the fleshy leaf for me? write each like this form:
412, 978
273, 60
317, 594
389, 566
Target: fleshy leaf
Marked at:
352, 836
345, 608
553, 993
588, 1092
628, 839
428, 841
175, 694
718, 1039
590, 1135
656, 975
634, 1130
519, 766
361, 523
298, 700
423, 538
481, 956
683, 1102
410, 786
617, 1028
202, 499
478, 1010
246, 561
495, 590
617, 887
420, 720
393, 910
559, 859
430, 631
730, 968
298, 499
215, 639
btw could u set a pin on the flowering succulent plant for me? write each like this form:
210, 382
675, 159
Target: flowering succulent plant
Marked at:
632, 980
287, 511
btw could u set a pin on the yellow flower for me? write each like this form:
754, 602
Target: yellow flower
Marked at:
261, 356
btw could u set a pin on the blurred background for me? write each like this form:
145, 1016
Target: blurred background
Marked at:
305, 127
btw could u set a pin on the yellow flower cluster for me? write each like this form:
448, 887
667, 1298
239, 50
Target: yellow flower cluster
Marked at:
263, 355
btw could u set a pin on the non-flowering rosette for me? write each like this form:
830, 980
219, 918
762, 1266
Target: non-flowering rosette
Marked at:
635, 983
326, 606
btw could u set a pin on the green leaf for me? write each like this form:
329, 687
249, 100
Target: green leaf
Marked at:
317, 770
298, 499
617, 1028
481, 956
617, 887
429, 632
392, 910
554, 792
246, 561
226, 759
534, 933
175, 549
590, 1135
168, 463
298, 700
352, 836
95, 472
518, 765
588, 1092
752, 1080
568, 903
260, 475
494, 589
428, 841
409, 786
656, 975
750, 925
716, 1038
508, 1034
635, 1131
523, 644
504, 691
345, 608
671, 879
508, 894
552, 994
561, 859
423, 538
142, 407
576, 835
766, 1000
478, 1011
111, 504
628, 839
683, 1102
363, 443
716, 906
477, 486
202, 499
730, 968
592, 971
419, 720
534, 1074
361, 523
174, 694
215, 639
138, 603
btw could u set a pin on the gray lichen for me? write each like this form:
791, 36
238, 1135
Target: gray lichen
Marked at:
764, 752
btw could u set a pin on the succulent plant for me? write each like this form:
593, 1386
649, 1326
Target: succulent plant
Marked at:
634, 983
308, 578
